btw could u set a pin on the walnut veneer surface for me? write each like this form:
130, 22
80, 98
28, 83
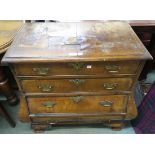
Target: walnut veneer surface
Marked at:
82, 72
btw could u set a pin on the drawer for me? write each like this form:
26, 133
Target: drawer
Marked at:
77, 85
81, 68
77, 104
131, 114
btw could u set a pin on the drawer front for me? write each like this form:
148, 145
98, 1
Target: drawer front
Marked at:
77, 85
81, 68
77, 104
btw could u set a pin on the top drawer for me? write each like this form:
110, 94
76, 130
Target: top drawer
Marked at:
77, 68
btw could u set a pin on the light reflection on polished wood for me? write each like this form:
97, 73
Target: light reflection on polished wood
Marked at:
76, 41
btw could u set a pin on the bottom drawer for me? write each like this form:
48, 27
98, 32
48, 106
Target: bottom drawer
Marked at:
24, 116
131, 114
77, 104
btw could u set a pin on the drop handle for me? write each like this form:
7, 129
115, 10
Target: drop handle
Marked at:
109, 86
105, 103
46, 87
41, 70
112, 68
49, 104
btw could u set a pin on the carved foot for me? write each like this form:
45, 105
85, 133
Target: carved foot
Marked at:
116, 128
116, 125
40, 128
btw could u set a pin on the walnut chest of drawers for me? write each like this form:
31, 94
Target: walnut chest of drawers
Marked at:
76, 72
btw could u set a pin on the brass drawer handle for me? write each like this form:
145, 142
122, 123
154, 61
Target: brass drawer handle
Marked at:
41, 70
77, 81
77, 65
106, 103
45, 87
76, 99
112, 68
110, 86
49, 104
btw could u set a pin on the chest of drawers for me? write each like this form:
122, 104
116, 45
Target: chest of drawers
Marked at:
76, 72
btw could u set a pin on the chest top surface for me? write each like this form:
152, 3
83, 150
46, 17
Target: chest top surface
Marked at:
82, 41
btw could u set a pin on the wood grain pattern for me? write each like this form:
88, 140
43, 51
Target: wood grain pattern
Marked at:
23, 112
88, 104
77, 85
87, 68
89, 41
131, 113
